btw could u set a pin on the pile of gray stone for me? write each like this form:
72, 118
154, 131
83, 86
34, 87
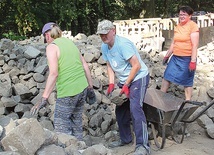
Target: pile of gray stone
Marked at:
23, 74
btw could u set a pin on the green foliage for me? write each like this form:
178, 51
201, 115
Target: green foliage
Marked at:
26, 17
12, 36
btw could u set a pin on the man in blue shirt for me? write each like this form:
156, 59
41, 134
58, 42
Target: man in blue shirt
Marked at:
124, 62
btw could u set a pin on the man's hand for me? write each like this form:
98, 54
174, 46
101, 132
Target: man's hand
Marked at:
110, 89
165, 60
192, 66
125, 90
35, 109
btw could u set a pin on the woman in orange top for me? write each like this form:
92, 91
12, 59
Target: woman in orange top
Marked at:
182, 65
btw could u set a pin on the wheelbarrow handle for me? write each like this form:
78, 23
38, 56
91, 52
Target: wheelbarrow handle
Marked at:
179, 111
195, 102
200, 113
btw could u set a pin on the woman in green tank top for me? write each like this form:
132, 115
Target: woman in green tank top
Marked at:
70, 73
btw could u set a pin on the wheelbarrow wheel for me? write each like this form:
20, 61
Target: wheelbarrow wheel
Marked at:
178, 132
156, 134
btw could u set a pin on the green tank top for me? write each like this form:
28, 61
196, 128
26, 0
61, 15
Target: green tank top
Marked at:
71, 78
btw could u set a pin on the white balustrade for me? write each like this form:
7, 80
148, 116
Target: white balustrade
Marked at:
138, 30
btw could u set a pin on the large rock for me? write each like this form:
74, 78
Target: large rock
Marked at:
5, 85
31, 52
6, 44
25, 139
22, 90
97, 150
52, 150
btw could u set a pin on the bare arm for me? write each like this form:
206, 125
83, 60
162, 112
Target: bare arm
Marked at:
52, 52
195, 40
110, 73
87, 71
170, 51
135, 68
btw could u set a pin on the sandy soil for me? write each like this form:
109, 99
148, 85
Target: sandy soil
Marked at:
196, 143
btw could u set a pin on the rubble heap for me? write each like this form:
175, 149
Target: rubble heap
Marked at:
23, 74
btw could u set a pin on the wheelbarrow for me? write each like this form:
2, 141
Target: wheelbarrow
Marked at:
168, 115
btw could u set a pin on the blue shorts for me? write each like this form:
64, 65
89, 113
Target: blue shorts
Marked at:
177, 71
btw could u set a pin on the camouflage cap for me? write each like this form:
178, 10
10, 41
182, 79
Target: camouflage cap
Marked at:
104, 27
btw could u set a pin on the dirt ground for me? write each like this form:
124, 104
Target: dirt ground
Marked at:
196, 143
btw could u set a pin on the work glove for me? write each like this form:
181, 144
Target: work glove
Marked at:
35, 109
125, 90
192, 66
91, 97
110, 89
165, 60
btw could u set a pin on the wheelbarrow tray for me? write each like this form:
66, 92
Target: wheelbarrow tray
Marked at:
167, 104
168, 115
162, 107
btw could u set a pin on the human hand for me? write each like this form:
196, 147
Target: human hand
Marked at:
35, 109
192, 66
125, 90
110, 89
165, 60
91, 97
